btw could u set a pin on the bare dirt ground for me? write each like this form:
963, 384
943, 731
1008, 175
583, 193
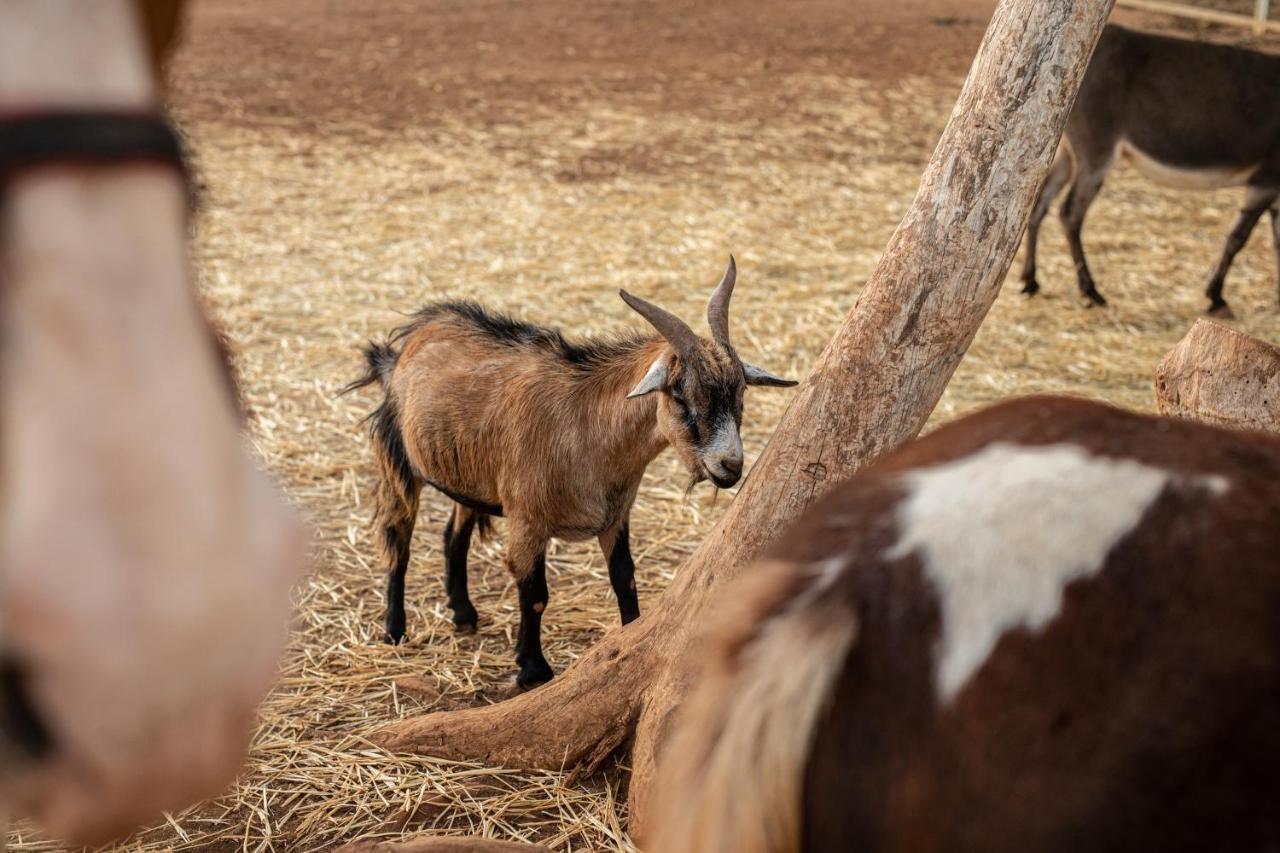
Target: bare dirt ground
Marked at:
360, 158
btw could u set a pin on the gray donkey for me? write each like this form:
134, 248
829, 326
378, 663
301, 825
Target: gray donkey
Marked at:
1187, 114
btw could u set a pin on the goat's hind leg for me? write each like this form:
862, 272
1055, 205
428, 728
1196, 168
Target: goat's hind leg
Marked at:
457, 544
397, 512
1059, 175
1256, 202
527, 562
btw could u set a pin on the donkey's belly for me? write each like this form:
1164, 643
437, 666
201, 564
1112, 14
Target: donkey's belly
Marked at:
1182, 177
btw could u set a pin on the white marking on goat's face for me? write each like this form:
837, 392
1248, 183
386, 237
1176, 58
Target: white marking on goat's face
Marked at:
1002, 532
722, 453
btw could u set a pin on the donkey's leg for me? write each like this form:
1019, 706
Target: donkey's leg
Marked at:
397, 512
1084, 189
1256, 202
1059, 174
527, 561
457, 542
616, 545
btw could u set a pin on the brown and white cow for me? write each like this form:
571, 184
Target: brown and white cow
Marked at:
1053, 625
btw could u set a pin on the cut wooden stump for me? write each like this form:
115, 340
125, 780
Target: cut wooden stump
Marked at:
442, 844
872, 388
1222, 376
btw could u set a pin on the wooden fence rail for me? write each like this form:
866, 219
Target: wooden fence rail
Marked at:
1259, 21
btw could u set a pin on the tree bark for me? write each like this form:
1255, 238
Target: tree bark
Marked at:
1222, 376
872, 388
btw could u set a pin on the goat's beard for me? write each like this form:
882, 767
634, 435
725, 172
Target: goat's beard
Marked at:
695, 477
700, 476
690, 486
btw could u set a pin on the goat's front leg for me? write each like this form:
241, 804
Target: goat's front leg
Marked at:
527, 562
616, 545
457, 542
397, 511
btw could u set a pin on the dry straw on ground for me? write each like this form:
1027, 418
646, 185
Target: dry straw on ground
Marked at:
314, 236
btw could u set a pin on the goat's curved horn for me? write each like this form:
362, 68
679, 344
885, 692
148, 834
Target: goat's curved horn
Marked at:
671, 327
718, 306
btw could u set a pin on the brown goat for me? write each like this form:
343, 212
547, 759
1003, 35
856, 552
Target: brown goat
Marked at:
512, 419
1050, 626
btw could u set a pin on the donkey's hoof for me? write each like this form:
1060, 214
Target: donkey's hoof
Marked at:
1221, 312
1094, 300
1030, 287
469, 626
533, 674
393, 638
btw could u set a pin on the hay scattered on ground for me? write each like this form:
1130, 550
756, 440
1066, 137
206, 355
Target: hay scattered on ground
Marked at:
314, 238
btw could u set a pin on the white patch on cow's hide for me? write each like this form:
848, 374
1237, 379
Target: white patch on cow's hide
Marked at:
1002, 532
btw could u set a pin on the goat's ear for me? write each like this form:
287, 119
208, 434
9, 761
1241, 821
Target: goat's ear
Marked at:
654, 380
760, 376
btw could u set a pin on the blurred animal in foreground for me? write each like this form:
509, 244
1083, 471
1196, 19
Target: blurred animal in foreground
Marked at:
1053, 625
1187, 114
515, 420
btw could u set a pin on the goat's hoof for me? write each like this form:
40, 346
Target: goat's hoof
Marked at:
393, 638
1222, 312
1030, 287
465, 619
1094, 300
533, 674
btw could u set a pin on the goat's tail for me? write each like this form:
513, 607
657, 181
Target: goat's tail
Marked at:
380, 360
731, 779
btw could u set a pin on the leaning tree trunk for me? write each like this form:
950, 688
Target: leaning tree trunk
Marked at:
872, 388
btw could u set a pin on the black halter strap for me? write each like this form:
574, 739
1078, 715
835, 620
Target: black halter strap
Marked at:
22, 735
82, 137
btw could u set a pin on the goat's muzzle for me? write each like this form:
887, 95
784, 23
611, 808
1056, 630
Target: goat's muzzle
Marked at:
725, 473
